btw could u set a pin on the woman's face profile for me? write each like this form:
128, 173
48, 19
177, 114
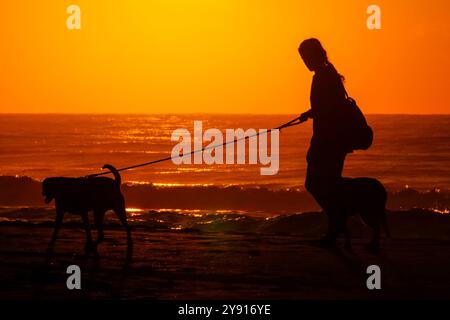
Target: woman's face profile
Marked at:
308, 61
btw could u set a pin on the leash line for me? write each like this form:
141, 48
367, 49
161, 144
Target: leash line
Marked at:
291, 123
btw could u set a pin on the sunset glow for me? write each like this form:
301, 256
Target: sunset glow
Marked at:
223, 56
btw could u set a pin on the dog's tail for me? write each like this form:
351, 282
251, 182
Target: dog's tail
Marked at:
114, 171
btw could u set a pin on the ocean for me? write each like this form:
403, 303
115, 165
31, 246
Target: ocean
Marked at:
411, 150
410, 156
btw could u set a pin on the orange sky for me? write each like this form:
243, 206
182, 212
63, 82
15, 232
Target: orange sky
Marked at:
226, 56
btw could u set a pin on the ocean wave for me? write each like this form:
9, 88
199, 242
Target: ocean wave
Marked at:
259, 200
416, 223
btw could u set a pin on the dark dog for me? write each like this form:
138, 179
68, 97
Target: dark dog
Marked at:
81, 195
365, 196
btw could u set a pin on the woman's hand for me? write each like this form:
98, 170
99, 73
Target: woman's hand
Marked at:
304, 116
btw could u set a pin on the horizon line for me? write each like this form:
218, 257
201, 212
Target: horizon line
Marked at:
198, 113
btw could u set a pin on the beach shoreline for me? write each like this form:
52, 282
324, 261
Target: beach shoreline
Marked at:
177, 265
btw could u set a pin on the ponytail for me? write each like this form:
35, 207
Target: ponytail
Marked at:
328, 63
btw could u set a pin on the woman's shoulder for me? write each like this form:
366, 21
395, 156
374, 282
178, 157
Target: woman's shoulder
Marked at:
327, 72
327, 75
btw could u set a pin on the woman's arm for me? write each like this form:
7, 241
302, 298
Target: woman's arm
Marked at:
305, 115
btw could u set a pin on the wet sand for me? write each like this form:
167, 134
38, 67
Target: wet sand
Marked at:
201, 265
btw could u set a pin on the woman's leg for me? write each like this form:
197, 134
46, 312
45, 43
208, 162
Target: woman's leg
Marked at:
322, 177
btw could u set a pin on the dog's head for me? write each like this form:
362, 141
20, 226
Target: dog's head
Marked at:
48, 190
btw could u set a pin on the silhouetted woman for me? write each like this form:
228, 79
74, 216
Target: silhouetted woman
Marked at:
326, 153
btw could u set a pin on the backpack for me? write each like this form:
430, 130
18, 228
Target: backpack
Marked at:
356, 134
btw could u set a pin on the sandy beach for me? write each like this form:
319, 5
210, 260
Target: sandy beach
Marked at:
206, 265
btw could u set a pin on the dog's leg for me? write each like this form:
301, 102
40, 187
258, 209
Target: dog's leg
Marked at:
373, 221
87, 228
98, 219
376, 237
332, 232
341, 225
335, 225
58, 223
122, 214
329, 240
345, 230
348, 238
384, 223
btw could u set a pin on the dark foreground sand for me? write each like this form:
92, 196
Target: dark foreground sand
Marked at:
192, 265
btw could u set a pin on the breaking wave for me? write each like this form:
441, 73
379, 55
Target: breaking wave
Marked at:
253, 200
416, 223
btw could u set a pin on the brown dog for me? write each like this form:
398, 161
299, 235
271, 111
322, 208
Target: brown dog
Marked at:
363, 196
81, 195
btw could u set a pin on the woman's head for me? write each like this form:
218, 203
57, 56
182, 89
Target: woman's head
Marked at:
313, 54
315, 57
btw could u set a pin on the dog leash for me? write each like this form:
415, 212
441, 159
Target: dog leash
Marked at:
291, 123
